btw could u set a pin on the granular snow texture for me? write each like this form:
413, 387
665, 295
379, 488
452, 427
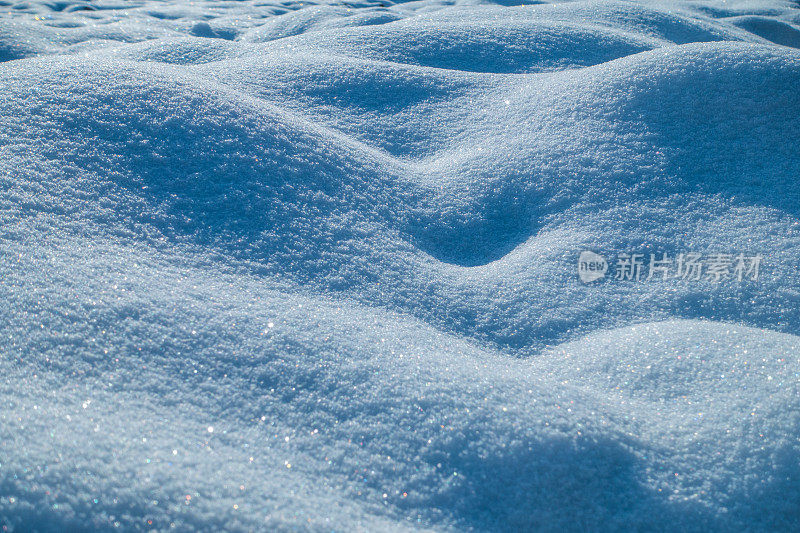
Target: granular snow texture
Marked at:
276, 265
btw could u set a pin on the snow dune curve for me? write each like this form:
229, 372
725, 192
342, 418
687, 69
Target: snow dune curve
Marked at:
308, 267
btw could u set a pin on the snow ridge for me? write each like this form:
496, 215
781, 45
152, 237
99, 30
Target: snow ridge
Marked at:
294, 266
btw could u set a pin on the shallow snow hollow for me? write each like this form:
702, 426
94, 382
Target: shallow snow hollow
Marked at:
313, 266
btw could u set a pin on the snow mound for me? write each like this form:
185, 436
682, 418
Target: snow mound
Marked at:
206, 399
313, 267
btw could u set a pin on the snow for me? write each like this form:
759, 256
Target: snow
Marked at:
295, 266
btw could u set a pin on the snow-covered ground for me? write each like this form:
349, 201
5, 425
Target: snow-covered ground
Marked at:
279, 265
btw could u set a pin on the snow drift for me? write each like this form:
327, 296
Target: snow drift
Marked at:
311, 267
